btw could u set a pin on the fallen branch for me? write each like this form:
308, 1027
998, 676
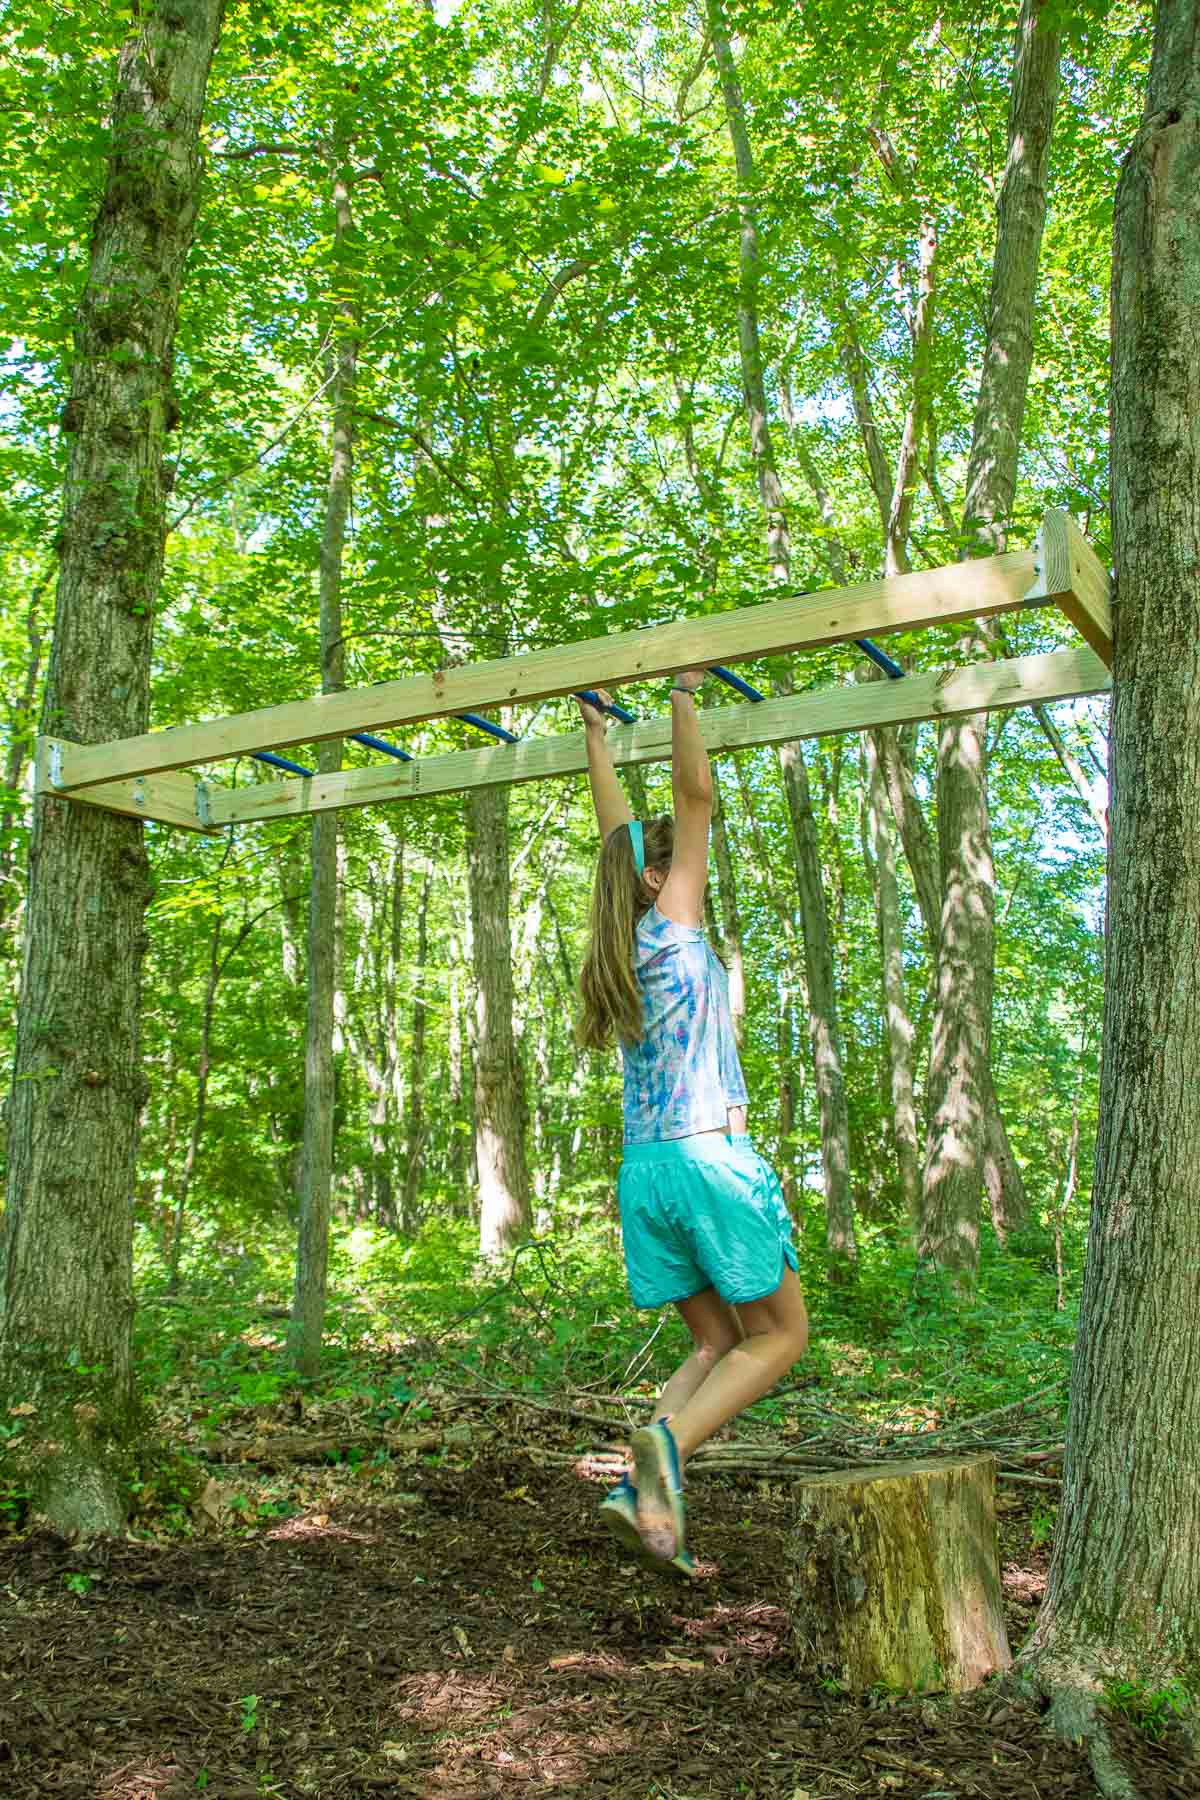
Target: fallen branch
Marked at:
289, 1447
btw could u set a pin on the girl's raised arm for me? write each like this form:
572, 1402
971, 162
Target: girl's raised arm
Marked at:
608, 796
682, 894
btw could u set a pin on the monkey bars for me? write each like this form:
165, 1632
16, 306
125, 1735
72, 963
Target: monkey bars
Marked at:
137, 776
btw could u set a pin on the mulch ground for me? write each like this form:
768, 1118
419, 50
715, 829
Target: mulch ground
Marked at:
476, 1636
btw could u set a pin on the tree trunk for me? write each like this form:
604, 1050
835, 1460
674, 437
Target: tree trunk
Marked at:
416, 1069
897, 1023
21, 729
504, 1211
1124, 1589
203, 1064
893, 1576
372, 1027
731, 918
818, 952
290, 868
634, 778
960, 1054
824, 1036
457, 1055
217, 965
306, 1326
66, 1252
788, 1121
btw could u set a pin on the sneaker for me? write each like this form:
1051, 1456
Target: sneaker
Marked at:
659, 1475
618, 1511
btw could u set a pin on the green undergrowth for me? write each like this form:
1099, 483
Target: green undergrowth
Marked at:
412, 1324
1152, 1711
892, 1346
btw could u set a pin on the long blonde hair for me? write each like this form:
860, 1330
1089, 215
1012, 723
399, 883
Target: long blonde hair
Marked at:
612, 1001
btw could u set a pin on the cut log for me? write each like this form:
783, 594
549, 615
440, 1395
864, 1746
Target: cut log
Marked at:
894, 1577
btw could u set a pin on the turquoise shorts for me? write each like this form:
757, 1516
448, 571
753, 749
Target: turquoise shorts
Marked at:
701, 1212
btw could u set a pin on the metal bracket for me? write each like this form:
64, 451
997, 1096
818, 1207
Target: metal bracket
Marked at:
1038, 590
203, 804
54, 763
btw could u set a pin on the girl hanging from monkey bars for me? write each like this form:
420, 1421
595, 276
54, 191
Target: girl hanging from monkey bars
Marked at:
703, 1221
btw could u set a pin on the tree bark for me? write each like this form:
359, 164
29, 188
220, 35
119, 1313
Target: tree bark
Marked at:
893, 1576
1124, 1590
291, 881
217, 965
500, 1111
824, 1035
306, 1325
731, 918
818, 954
183, 1187
960, 1053
66, 1251
416, 1067
897, 1022
21, 728
458, 1056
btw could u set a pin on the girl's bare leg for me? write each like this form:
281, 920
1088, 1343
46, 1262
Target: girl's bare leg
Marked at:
775, 1335
715, 1329
740, 1354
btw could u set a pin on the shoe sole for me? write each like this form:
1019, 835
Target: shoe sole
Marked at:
623, 1526
654, 1475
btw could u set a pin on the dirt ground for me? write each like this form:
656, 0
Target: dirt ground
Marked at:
476, 1635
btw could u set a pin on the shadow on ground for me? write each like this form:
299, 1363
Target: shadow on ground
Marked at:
476, 1636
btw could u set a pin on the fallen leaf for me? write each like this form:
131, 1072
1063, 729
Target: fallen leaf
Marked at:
462, 1640
215, 1499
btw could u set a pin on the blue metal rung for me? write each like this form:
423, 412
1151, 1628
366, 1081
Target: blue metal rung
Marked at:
891, 669
735, 681
496, 731
374, 743
281, 762
617, 712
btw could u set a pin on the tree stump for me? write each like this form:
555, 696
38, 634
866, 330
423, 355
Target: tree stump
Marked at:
894, 1577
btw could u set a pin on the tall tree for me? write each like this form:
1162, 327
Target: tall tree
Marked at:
316, 1166
898, 1029
824, 1032
1124, 1590
415, 1136
959, 1085
500, 1104
731, 916
66, 1249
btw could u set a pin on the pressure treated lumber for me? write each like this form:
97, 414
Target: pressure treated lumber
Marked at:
166, 799
893, 1576
1019, 681
1070, 568
964, 590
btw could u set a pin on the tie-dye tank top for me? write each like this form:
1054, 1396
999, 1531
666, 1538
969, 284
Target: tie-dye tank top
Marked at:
685, 1073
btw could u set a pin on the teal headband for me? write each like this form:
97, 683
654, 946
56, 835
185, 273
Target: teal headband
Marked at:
637, 839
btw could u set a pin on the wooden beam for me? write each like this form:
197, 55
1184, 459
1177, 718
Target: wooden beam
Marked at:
1021, 681
965, 590
1071, 570
166, 799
